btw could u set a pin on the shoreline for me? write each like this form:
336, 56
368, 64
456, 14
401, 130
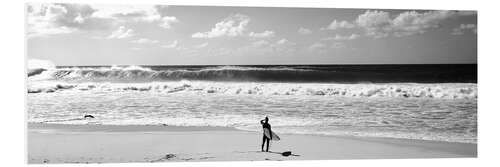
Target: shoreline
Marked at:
124, 128
60, 143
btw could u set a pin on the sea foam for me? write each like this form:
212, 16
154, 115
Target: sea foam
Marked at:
400, 90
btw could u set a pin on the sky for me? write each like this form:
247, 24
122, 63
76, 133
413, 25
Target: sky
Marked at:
97, 34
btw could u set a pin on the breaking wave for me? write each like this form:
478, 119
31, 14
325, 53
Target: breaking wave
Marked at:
138, 74
336, 74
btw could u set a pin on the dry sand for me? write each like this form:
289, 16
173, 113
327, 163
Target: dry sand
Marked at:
51, 143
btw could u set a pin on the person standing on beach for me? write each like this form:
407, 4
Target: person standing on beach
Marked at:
266, 126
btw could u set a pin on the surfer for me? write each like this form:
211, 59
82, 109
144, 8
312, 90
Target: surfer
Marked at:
266, 137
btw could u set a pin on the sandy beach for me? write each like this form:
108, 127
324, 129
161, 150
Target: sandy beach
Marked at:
56, 143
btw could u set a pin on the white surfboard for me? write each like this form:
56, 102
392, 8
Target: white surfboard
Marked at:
271, 134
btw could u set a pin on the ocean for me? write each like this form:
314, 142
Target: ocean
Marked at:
428, 102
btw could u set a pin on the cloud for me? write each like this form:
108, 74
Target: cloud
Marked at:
145, 41
412, 22
282, 41
317, 46
267, 44
121, 33
304, 31
322, 47
201, 45
137, 13
339, 24
79, 19
379, 24
232, 26
373, 19
338, 37
45, 19
261, 43
174, 44
464, 27
50, 19
265, 34
167, 21
375, 23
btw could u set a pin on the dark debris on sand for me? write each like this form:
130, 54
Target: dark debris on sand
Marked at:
166, 157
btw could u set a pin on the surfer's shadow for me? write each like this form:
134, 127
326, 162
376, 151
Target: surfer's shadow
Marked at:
285, 153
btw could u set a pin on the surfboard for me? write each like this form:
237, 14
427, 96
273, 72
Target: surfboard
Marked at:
271, 134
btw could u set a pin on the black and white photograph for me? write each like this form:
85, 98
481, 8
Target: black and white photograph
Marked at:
142, 83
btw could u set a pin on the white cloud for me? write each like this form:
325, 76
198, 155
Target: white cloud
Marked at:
464, 27
412, 22
279, 45
45, 19
147, 15
304, 31
136, 13
374, 19
338, 37
201, 45
339, 24
79, 19
317, 46
265, 34
282, 41
145, 41
261, 43
380, 24
375, 23
121, 33
284, 45
321, 47
232, 26
167, 21
174, 44
50, 19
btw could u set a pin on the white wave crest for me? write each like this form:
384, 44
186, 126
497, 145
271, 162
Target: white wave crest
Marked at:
402, 90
